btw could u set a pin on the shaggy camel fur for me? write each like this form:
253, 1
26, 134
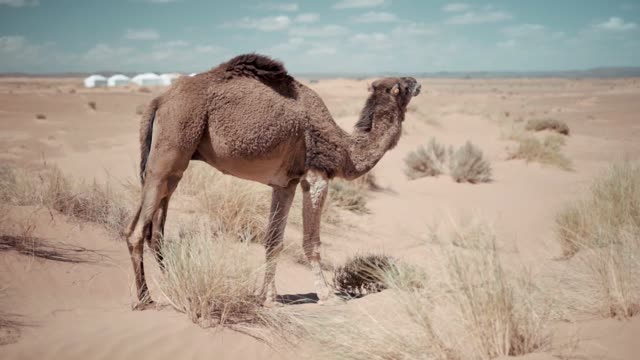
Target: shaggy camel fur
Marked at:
250, 119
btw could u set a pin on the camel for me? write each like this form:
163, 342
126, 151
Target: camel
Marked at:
250, 119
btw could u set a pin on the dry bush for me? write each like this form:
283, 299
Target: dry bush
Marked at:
41, 116
474, 309
548, 124
602, 230
611, 206
429, 161
49, 187
468, 165
362, 274
349, 195
547, 151
144, 89
92, 105
239, 208
210, 277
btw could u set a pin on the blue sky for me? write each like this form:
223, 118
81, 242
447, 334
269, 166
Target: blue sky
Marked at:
319, 36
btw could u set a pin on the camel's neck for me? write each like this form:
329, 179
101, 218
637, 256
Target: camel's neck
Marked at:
377, 132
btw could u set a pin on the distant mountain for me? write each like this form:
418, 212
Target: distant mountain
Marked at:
601, 72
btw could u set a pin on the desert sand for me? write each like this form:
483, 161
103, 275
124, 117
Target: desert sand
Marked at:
74, 310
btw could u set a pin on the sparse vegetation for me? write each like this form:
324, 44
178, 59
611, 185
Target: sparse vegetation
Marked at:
144, 90
602, 230
362, 274
349, 195
547, 151
92, 105
468, 165
548, 124
210, 277
41, 116
50, 188
426, 161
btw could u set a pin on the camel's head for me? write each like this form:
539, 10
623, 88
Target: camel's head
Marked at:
402, 89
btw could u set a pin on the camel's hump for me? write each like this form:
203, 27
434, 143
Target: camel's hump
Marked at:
256, 66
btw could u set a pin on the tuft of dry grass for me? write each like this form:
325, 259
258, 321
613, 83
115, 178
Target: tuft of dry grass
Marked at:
210, 277
469, 165
362, 274
144, 89
41, 116
548, 124
92, 105
349, 195
426, 161
601, 230
547, 151
473, 309
50, 188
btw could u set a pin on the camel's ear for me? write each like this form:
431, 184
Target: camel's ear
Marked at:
395, 90
371, 87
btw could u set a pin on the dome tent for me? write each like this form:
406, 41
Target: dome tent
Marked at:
169, 78
147, 79
95, 81
118, 80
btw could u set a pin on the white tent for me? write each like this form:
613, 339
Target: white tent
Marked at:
193, 74
95, 81
168, 78
147, 79
118, 80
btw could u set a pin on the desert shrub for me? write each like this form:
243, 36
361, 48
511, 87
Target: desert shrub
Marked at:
547, 151
426, 161
92, 105
602, 230
41, 116
210, 277
349, 195
144, 90
474, 309
468, 165
368, 181
362, 274
49, 187
611, 205
548, 124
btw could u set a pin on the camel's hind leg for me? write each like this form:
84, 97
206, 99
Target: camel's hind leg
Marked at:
164, 171
281, 200
315, 187
158, 223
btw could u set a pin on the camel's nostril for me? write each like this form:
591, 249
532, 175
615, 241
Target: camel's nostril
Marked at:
417, 89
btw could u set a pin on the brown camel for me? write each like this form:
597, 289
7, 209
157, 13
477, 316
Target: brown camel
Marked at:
250, 119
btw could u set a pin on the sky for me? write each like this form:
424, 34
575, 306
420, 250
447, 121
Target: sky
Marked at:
331, 36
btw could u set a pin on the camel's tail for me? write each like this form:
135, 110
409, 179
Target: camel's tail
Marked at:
146, 131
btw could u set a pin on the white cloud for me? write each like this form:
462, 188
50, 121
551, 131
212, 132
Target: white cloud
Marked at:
306, 18
104, 53
271, 23
19, 3
11, 43
322, 50
616, 24
456, 7
523, 30
375, 41
288, 7
142, 34
352, 4
415, 29
329, 30
479, 17
375, 17
208, 49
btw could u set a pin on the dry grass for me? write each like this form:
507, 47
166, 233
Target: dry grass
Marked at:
92, 105
547, 151
41, 116
468, 165
349, 195
548, 124
211, 278
426, 161
474, 309
602, 230
50, 188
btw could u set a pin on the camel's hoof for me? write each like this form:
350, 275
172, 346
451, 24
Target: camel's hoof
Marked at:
144, 305
332, 300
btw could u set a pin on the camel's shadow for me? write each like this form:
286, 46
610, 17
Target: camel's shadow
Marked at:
309, 298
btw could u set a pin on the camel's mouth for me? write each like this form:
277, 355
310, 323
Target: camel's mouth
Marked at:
416, 89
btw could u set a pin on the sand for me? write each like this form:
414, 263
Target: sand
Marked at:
73, 310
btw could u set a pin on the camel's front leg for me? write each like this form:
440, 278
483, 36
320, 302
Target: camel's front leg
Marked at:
281, 199
315, 187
